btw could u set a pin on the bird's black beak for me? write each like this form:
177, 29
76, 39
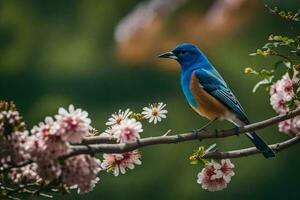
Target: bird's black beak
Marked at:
170, 55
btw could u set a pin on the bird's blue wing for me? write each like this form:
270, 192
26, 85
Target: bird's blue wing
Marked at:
214, 84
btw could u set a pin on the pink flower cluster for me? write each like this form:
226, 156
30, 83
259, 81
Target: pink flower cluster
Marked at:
117, 163
50, 140
10, 117
281, 93
26, 174
215, 176
127, 131
13, 136
81, 172
13, 149
124, 129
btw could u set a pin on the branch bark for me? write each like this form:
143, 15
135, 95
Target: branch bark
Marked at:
277, 147
100, 144
93, 144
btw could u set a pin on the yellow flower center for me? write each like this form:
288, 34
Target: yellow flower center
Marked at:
154, 111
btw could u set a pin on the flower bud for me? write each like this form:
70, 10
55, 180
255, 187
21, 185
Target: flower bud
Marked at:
248, 70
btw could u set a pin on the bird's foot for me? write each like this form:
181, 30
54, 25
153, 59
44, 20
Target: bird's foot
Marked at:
216, 133
198, 130
203, 128
237, 129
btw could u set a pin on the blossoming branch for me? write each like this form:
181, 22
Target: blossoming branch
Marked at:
51, 159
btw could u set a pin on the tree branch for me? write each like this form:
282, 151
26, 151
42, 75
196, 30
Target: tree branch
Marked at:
100, 144
251, 151
96, 146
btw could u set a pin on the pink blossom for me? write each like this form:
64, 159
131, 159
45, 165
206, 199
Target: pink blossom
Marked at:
74, 124
117, 163
296, 124
13, 148
43, 129
128, 130
46, 141
10, 116
26, 174
17, 145
273, 89
290, 126
281, 92
285, 126
81, 172
278, 103
285, 85
215, 176
48, 170
13, 136
118, 117
50, 148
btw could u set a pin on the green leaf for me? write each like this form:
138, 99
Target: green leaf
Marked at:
291, 73
298, 94
268, 45
266, 73
287, 64
278, 63
194, 162
264, 82
291, 104
211, 147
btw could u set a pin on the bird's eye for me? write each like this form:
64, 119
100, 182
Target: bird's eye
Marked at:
180, 53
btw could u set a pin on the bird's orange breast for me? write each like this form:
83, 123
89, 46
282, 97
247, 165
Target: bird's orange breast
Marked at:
206, 105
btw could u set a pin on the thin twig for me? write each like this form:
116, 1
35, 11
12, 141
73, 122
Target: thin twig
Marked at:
16, 166
251, 151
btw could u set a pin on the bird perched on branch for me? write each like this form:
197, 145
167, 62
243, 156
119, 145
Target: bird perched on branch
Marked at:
207, 92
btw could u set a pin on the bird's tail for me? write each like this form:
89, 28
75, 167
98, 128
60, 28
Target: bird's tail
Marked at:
261, 145
256, 140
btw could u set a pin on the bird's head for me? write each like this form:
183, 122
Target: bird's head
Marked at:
186, 54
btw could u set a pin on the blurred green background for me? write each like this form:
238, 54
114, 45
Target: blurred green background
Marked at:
54, 53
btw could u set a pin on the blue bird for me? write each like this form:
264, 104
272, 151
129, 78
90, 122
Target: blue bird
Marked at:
207, 92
